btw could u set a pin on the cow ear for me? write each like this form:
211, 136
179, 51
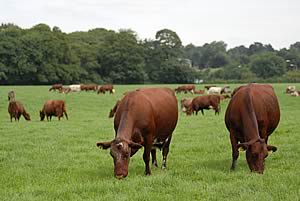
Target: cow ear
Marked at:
271, 148
134, 145
243, 146
104, 145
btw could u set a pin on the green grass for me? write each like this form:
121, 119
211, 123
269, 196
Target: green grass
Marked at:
58, 160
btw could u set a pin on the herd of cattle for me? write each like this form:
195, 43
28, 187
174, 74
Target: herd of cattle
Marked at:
83, 87
147, 117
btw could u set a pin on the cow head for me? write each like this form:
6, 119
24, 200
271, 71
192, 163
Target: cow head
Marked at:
42, 115
256, 152
120, 150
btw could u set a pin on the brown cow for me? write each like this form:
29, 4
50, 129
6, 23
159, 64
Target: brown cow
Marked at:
185, 89
16, 109
200, 91
185, 104
88, 87
114, 110
56, 87
145, 117
205, 102
251, 116
106, 87
65, 90
53, 108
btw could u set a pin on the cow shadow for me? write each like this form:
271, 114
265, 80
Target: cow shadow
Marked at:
216, 165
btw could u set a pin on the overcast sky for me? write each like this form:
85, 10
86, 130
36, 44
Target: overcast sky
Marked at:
236, 22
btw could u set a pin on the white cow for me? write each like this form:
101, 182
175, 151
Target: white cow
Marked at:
75, 87
295, 93
214, 90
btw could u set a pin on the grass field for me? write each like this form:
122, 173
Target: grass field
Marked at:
58, 160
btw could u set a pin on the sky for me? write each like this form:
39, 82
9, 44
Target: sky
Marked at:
236, 22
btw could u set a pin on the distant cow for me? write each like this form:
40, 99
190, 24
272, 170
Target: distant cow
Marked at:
205, 102
295, 93
114, 110
11, 96
185, 89
218, 90
16, 109
89, 87
55, 87
65, 90
209, 86
53, 108
290, 89
106, 87
185, 104
75, 88
145, 117
251, 117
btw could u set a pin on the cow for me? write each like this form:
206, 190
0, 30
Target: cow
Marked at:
207, 87
53, 108
185, 104
290, 89
75, 88
218, 90
295, 93
114, 110
55, 87
185, 89
145, 117
106, 87
251, 117
16, 109
65, 90
205, 102
11, 96
88, 87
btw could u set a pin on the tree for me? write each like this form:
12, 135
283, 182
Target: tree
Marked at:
267, 65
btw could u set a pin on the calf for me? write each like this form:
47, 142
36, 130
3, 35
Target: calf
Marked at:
16, 109
251, 117
53, 108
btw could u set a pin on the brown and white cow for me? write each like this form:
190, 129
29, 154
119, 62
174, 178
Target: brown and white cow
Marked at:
16, 109
53, 108
251, 117
145, 117
185, 104
205, 102
106, 87
11, 96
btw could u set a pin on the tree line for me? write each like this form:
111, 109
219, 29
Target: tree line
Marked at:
45, 55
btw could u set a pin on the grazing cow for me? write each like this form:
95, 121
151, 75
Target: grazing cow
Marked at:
114, 110
185, 104
185, 89
290, 89
199, 91
145, 117
106, 87
56, 87
75, 88
207, 87
251, 117
53, 108
89, 87
205, 102
16, 109
11, 96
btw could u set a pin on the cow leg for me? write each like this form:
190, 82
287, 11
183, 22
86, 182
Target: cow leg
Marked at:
202, 112
235, 151
11, 118
153, 154
165, 151
147, 151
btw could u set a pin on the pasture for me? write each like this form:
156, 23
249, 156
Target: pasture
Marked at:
59, 160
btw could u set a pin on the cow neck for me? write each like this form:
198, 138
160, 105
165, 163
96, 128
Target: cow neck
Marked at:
250, 127
125, 129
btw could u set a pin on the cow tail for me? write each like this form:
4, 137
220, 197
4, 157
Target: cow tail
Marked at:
65, 111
